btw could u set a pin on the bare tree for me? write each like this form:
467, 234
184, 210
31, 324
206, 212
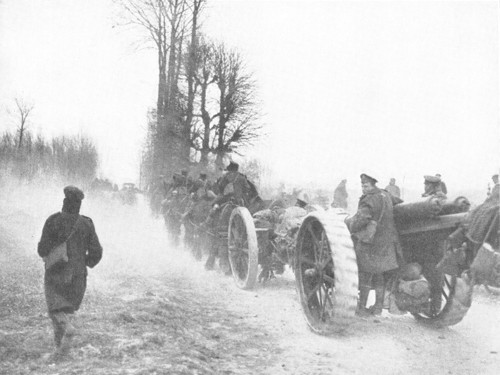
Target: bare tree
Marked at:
204, 77
238, 110
23, 110
227, 108
191, 64
167, 23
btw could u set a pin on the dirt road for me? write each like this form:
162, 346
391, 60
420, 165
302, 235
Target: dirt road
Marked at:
151, 309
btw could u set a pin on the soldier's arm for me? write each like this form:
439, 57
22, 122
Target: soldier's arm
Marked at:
49, 238
94, 248
361, 219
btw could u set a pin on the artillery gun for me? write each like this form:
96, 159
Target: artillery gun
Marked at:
321, 254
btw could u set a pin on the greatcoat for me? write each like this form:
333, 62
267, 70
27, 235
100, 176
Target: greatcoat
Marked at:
65, 284
384, 254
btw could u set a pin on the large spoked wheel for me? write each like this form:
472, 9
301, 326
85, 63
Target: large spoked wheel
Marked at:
456, 298
326, 273
243, 248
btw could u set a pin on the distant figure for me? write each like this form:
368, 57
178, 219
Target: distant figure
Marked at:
393, 189
340, 195
65, 282
432, 188
495, 192
443, 185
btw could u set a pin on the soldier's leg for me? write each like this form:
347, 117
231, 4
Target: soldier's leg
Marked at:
58, 328
209, 264
63, 332
188, 234
224, 253
364, 285
379, 286
68, 335
210, 229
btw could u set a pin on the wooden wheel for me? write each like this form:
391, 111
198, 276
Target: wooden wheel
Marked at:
326, 272
243, 248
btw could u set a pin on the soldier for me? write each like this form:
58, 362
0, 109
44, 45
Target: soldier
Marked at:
158, 191
432, 188
200, 205
65, 283
481, 228
340, 195
496, 187
233, 188
393, 188
376, 243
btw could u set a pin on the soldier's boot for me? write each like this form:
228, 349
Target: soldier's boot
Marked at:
68, 336
376, 309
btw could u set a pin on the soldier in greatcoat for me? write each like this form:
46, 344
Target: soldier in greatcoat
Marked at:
65, 283
234, 189
393, 188
379, 255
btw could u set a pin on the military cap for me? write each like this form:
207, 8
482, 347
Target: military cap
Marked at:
432, 179
232, 166
494, 177
367, 178
73, 193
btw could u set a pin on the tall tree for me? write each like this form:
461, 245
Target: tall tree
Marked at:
191, 63
167, 22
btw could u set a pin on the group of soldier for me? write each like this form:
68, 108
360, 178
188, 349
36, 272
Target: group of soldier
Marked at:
202, 207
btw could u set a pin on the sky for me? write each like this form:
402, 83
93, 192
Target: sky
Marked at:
398, 89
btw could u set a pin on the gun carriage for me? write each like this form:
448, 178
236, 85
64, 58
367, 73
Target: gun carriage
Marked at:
321, 253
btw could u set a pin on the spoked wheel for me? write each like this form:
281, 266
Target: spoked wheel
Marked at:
243, 248
326, 273
456, 298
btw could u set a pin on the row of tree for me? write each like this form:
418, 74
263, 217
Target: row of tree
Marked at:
206, 107
27, 157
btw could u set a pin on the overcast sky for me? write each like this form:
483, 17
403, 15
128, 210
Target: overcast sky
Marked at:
399, 88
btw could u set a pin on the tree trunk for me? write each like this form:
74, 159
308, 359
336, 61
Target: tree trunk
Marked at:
205, 117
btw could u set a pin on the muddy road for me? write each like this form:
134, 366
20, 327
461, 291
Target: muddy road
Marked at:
152, 309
